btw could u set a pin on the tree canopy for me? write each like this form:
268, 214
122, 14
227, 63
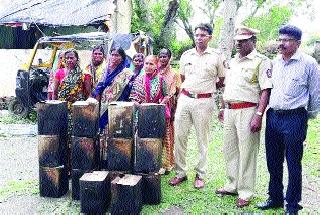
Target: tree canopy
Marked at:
163, 18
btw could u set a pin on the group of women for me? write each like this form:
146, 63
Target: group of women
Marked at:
149, 79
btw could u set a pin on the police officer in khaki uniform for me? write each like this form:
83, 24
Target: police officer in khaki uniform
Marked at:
248, 84
200, 69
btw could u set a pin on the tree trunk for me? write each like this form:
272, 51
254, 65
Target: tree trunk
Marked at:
227, 33
121, 19
171, 13
187, 27
189, 30
169, 19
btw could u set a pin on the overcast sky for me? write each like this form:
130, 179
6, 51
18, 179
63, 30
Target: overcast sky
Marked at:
309, 26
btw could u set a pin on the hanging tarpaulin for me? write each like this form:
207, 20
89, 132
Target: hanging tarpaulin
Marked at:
57, 12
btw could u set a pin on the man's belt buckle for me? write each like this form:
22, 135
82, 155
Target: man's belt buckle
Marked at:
193, 95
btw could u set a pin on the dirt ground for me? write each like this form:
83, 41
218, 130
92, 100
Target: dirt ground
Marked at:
19, 192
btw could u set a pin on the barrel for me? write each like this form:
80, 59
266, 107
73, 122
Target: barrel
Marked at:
85, 118
53, 181
76, 174
151, 120
85, 153
147, 155
94, 193
119, 154
52, 118
121, 119
52, 151
151, 188
126, 195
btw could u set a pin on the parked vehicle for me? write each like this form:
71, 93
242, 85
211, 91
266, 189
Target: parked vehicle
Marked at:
32, 80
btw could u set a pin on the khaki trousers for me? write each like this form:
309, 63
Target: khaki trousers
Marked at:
197, 112
240, 150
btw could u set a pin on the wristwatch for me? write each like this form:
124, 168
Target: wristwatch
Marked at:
259, 113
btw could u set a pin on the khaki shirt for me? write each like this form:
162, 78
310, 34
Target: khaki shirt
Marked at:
246, 77
201, 71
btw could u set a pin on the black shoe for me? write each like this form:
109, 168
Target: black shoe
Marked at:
291, 212
269, 204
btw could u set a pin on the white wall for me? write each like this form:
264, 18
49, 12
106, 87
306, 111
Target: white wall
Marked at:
10, 61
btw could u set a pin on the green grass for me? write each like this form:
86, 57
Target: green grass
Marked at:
205, 201
14, 119
59, 206
185, 197
311, 156
16, 188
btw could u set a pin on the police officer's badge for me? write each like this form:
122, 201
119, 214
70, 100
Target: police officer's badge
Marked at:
269, 73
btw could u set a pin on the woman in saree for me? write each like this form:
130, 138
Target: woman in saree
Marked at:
137, 64
113, 85
71, 85
97, 65
172, 83
150, 87
57, 66
137, 69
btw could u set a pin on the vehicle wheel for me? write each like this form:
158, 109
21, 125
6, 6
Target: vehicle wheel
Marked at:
18, 108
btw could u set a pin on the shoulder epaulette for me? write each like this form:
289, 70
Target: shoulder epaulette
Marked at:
217, 51
187, 52
263, 57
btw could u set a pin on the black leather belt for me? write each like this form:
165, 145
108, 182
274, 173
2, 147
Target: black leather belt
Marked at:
289, 111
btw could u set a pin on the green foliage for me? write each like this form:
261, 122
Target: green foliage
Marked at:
139, 14
215, 3
14, 119
178, 47
260, 2
157, 16
313, 38
185, 11
156, 13
270, 49
33, 116
217, 27
216, 32
157, 19
269, 23
150, 19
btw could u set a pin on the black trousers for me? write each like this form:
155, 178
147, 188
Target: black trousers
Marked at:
285, 134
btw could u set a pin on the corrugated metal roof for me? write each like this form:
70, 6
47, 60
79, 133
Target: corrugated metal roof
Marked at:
57, 12
92, 36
